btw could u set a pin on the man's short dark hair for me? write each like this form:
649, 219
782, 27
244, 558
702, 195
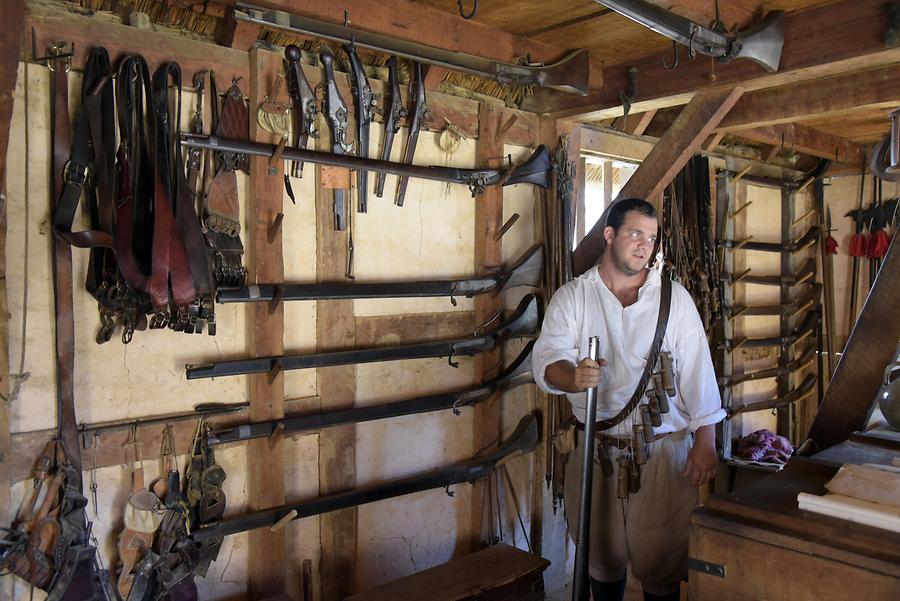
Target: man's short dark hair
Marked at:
619, 209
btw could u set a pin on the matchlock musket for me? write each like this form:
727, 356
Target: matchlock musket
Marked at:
520, 442
523, 322
527, 271
517, 374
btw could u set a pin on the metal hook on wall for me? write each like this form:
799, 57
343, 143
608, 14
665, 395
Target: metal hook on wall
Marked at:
675, 54
471, 14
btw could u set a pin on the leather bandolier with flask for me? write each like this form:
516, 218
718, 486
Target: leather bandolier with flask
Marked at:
656, 385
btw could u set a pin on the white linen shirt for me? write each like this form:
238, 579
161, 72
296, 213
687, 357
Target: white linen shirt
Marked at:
585, 307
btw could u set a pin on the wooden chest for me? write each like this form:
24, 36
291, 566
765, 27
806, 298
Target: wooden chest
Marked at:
497, 573
757, 544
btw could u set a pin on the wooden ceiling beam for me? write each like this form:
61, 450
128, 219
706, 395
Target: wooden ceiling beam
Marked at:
876, 88
821, 41
687, 134
806, 140
413, 22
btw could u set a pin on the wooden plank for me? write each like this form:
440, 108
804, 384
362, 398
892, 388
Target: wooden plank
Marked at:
638, 124
820, 41
488, 255
831, 97
858, 375
265, 487
69, 23
390, 330
10, 45
696, 121
335, 329
410, 21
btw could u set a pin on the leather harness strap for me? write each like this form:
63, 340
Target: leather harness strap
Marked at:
170, 260
665, 303
134, 203
62, 272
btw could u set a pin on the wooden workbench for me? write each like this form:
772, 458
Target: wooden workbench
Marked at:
756, 543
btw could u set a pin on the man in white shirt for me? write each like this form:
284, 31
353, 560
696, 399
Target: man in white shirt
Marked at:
619, 300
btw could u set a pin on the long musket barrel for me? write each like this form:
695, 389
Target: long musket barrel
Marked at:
535, 170
582, 541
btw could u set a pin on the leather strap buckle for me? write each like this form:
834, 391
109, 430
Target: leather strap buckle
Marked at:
75, 173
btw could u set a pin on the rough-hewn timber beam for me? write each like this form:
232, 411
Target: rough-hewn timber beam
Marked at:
692, 127
876, 88
416, 23
820, 41
806, 140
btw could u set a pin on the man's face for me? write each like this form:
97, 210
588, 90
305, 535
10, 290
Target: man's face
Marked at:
630, 248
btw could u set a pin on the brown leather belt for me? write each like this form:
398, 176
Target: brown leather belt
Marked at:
623, 442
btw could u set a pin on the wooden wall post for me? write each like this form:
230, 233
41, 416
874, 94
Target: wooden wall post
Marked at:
265, 487
488, 219
335, 330
9, 58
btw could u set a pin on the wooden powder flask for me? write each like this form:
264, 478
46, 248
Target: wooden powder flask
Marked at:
634, 476
662, 397
640, 450
647, 422
606, 465
622, 483
653, 408
668, 376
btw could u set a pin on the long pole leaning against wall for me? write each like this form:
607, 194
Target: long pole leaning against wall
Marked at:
488, 254
265, 487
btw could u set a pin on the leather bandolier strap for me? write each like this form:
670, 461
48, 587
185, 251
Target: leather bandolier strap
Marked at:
665, 303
